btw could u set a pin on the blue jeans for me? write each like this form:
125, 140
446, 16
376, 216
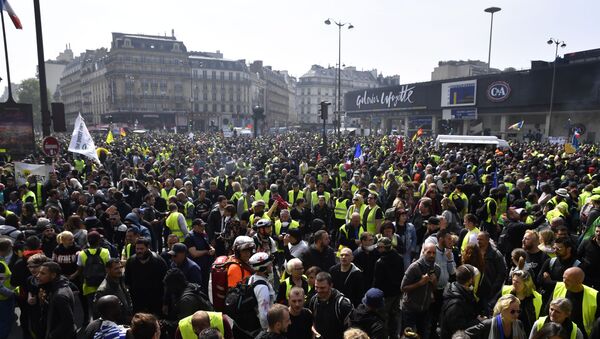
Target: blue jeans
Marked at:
7, 316
418, 321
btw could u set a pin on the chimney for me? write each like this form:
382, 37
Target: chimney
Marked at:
173, 33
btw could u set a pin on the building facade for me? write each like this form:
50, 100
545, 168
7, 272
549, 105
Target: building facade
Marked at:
276, 95
490, 103
320, 84
460, 69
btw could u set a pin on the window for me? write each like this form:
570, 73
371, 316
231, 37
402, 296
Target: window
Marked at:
222, 75
230, 76
214, 95
223, 108
214, 107
237, 76
204, 74
205, 108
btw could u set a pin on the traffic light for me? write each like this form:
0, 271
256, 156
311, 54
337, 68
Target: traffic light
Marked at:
324, 109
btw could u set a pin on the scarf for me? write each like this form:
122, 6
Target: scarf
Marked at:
497, 331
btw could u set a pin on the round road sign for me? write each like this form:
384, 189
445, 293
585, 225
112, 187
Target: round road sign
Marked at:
50, 146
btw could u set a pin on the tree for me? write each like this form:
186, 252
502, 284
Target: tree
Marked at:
28, 92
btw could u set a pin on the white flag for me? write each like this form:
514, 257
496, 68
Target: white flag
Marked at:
23, 170
81, 140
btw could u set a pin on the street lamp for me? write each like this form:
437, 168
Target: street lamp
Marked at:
339, 70
562, 44
130, 80
491, 10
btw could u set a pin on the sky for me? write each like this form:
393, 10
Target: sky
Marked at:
401, 37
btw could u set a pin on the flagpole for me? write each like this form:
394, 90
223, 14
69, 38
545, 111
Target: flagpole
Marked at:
10, 98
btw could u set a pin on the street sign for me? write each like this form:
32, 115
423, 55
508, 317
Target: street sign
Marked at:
50, 146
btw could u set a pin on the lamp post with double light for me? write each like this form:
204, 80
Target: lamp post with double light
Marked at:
562, 44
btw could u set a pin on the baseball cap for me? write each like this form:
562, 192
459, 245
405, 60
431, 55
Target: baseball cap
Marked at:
178, 248
373, 298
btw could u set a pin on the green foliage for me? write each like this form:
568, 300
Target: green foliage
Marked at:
28, 92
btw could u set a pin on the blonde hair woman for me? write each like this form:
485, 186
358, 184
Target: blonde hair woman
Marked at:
523, 288
504, 324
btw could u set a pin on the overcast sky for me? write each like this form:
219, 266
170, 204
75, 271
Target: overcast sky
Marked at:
407, 38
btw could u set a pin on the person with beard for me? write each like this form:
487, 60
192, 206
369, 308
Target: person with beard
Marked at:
422, 213
418, 284
203, 205
56, 298
347, 278
144, 273
459, 310
320, 254
278, 318
553, 268
535, 257
330, 308
200, 250
113, 285
31, 308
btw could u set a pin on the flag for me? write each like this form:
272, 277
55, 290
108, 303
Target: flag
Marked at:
13, 16
109, 138
358, 153
517, 126
122, 132
400, 145
81, 140
575, 140
417, 134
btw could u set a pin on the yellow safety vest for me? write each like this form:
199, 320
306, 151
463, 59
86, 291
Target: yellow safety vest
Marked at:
253, 216
344, 229
501, 207
293, 224
104, 255
583, 198
462, 197
314, 198
554, 213
589, 303
28, 195
236, 196
188, 221
537, 299
465, 241
542, 320
289, 285
264, 197
187, 330
166, 195
371, 227
7, 283
292, 199
173, 224
126, 251
340, 209
351, 210
490, 218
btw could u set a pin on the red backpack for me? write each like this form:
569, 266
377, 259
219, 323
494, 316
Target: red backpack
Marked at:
217, 284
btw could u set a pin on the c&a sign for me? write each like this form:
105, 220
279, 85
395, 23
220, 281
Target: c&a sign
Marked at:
498, 91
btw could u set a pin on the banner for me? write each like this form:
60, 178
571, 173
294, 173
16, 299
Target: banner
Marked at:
81, 140
23, 170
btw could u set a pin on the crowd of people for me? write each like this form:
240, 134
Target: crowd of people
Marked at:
175, 236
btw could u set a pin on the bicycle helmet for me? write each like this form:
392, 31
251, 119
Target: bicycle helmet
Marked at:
243, 242
262, 223
260, 260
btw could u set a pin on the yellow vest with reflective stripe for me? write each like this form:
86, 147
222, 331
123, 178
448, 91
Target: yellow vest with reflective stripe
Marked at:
314, 198
352, 209
173, 224
6, 282
371, 226
166, 195
465, 241
490, 218
291, 199
588, 306
28, 195
537, 299
187, 330
264, 197
542, 320
340, 209
188, 221
292, 224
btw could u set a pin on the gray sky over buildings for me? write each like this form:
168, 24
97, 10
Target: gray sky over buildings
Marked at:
394, 36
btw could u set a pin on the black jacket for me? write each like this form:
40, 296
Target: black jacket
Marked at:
388, 273
365, 260
482, 330
324, 260
352, 286
495, 272
368, 321
589, 252
331, 316
459, 310
57, 310
270, 335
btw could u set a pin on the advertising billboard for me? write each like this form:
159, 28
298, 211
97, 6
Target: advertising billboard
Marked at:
460, 93
16, 129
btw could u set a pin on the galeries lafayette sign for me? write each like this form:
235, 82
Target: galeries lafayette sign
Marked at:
389, 99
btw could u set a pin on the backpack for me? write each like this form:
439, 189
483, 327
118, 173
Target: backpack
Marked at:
94, 269
241, 299
196, 292
217, 284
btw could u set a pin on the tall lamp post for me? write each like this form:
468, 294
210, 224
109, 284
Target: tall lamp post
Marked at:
491, 10
339, 70
562, 44
130, 79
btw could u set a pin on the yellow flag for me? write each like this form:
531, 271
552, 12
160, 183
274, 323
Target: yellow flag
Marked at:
109, 138
569, 149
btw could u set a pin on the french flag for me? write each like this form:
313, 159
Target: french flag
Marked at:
13, 16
